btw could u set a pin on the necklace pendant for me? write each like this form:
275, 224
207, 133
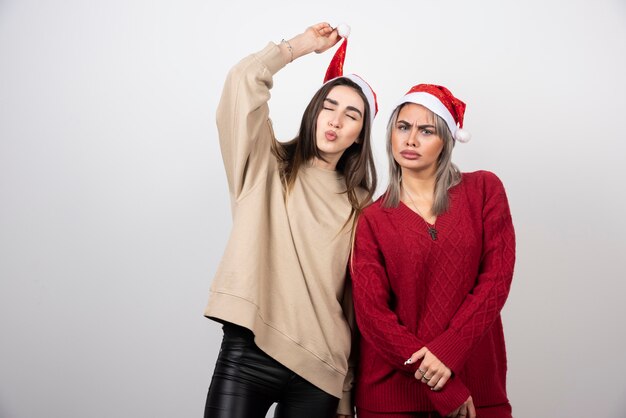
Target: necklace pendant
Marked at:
433, 233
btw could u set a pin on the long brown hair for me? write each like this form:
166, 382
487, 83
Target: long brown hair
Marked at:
357, 162
447, 174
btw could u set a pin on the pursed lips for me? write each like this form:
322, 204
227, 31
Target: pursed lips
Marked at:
330, 135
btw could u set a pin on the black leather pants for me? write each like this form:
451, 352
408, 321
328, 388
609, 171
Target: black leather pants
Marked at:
246, 382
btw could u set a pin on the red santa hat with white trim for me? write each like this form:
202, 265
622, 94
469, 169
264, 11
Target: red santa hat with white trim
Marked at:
441, 102
335, 70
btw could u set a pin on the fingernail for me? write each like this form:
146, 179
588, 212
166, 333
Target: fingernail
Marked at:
408, 362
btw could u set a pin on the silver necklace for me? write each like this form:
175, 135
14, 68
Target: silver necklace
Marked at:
432, 231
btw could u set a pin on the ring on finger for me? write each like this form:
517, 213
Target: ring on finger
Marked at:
422, 372
426, 378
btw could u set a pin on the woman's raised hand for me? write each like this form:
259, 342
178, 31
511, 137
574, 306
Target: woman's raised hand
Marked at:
324, 35
317, 38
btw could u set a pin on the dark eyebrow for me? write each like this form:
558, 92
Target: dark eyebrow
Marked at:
425, 126
348, 108
354, 109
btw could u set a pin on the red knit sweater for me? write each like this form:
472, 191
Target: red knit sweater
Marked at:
411, 291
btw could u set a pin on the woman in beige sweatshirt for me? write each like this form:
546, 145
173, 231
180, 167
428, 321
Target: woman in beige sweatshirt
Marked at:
280, 289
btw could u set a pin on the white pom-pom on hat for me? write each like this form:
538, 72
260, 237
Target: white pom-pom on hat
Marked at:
343, 30
462, 135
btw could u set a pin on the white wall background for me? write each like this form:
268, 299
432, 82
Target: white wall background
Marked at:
114, 208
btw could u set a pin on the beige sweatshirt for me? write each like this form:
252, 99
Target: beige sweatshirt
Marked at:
283, 271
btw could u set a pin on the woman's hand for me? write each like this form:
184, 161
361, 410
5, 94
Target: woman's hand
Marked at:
318, 38
324, 36
432, 371
466, 410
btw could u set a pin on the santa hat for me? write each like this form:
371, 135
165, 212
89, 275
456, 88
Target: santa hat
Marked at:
441, 102
335, 70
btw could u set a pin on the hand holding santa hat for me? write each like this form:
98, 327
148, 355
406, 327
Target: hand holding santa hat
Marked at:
335, 70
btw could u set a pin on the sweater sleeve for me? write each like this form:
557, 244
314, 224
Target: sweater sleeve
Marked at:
380, 326
243, 118
483, 305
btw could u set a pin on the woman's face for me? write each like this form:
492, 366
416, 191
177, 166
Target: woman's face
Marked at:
339, 123
414, 141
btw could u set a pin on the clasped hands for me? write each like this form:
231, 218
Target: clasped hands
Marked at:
435, 374
432, 371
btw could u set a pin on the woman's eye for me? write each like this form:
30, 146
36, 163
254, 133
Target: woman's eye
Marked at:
402, 128
427, 132
351, 117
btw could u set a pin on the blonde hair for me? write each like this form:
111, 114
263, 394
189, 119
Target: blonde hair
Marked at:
447, 174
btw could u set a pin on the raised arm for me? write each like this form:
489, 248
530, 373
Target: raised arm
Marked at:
243, 114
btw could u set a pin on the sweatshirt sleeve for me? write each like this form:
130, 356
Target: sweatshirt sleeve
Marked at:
242, 117
380, 326
346, 403
483, 305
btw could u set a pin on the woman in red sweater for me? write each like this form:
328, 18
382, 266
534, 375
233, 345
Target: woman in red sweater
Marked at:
431, 269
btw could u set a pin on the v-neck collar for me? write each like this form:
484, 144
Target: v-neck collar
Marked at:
413, 221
